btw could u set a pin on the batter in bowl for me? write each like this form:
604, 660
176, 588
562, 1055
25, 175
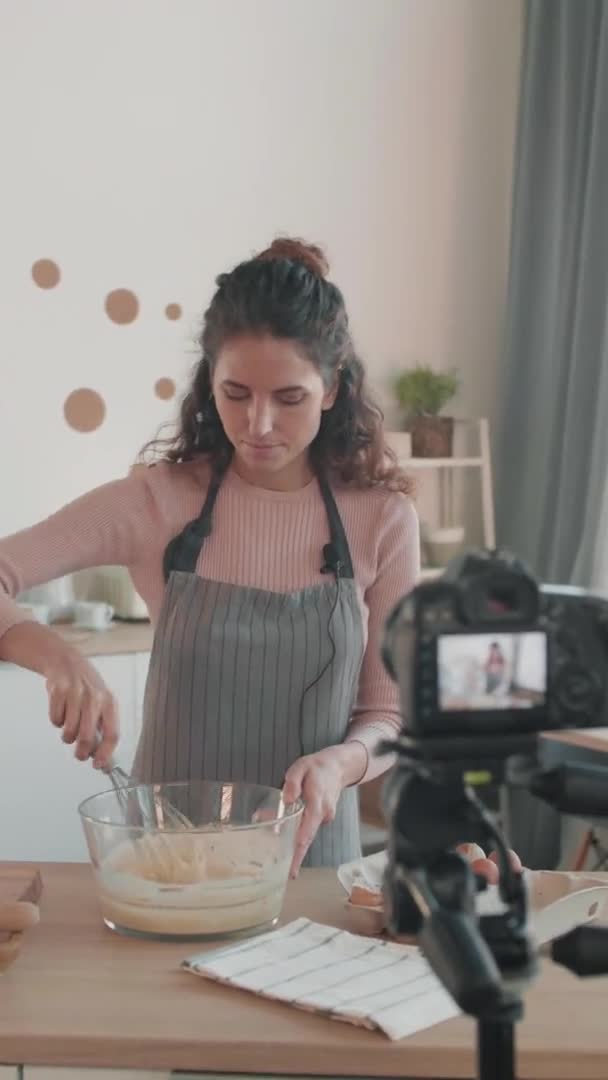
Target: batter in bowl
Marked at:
194, 883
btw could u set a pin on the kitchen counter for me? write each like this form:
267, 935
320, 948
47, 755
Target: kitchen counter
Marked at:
81, 996
120, 637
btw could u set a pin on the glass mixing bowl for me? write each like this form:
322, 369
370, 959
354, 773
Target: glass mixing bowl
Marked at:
224, 876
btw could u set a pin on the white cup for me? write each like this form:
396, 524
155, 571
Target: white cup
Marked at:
89, 615
38, 612
443, 545
58, 594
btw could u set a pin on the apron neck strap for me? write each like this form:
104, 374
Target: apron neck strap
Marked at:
337, 552
182, 552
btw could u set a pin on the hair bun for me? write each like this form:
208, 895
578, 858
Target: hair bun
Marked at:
287, 247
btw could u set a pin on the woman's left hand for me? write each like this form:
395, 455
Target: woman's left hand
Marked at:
319, 779
487, 867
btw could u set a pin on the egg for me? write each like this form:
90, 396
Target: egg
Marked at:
471, 852
365, 897
18, 915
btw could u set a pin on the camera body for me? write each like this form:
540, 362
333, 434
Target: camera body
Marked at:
484, 655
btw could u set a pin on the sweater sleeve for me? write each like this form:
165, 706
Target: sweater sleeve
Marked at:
105, 527
377, 714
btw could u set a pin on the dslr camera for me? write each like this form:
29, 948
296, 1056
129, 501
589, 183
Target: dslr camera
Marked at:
485, 659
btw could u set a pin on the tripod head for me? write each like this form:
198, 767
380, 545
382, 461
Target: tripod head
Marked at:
484, 961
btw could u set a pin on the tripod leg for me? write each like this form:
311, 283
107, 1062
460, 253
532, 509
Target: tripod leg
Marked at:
495, 1050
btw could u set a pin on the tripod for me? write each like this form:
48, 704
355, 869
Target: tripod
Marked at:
495, 1050
485, 962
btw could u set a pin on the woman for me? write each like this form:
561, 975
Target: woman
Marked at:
270, 542
494, 668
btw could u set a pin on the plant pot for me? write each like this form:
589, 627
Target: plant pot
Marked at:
442, 545
432, 436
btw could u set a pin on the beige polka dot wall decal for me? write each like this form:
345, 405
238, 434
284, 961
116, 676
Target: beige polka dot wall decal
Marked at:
173, 311
122, 306
84, 410
164, 389
46, 273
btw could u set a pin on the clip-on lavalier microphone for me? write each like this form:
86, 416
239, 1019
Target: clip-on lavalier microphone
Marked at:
332, 564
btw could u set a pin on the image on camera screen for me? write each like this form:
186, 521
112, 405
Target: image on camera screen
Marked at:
492, 671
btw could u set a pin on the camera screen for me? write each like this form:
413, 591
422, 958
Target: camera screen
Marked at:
491, 671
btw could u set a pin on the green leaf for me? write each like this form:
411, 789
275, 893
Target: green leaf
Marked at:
424, 392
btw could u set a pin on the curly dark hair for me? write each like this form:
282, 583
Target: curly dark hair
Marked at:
284, 292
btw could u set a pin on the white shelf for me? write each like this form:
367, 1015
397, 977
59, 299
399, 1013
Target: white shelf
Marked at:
441, 463
430, 573
480, 459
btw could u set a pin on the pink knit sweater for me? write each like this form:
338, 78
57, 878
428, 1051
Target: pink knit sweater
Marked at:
264, 539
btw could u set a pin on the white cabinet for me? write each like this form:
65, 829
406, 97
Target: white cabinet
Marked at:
128, 683
41, 783
142, 663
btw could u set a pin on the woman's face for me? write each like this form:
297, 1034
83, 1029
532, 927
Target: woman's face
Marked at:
270, 399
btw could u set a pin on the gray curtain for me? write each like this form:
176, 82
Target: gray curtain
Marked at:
552, 450
552, 447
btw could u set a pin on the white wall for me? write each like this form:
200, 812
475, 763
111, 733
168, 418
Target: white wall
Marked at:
150, 144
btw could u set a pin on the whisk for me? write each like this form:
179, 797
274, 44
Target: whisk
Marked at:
156, 811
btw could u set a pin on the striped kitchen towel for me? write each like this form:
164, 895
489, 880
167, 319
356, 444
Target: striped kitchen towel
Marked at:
375, 984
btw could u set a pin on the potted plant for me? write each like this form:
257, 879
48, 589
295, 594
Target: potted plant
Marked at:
422, 394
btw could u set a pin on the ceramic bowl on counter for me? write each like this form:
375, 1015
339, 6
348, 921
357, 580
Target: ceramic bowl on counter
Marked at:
224, 875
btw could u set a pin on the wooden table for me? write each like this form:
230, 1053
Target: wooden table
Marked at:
120, 637
583, 738
81, 996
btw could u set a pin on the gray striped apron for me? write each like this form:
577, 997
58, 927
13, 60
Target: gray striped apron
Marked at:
244, 681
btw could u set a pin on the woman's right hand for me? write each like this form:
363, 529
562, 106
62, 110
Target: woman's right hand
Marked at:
79, 700
82, 705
